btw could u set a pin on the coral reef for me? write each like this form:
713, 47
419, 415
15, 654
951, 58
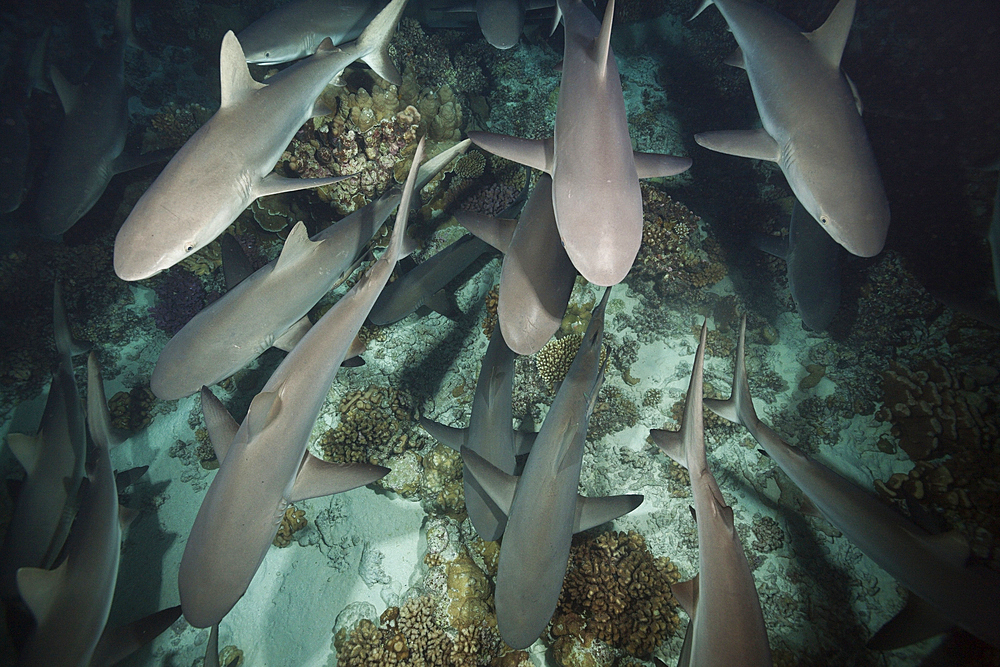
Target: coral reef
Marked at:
131, 410
180, 295
492, 303
556, 356
616, 592
292, 521
173, 126
613, 412
374, 425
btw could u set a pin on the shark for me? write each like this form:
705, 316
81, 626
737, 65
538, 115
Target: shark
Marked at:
269, 307
71, 603
727, 624
993, 236
90, 147
811, 120
264, 464
595, 173
295, 29
54, 462
417, 287
542, 505
812, 264
950, 591
228, 162
537, 276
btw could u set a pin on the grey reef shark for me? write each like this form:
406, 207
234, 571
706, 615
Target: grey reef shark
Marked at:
54, 462
90, 147
294, 30
268, 308
542, 505
228, 162
811, 118
947, 590
71, 603
264, 462
537, 276
595, 173
490, 435
423, 285
812, 264
727, 625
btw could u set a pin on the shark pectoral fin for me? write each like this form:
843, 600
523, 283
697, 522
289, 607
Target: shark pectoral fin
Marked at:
39, 587
496, 231
497, 484
264, 407
534, 153
829, 39
686, 593
127, 478
220, 424
602, 43
273, 184
670, 443
293, 334
735, 59
430, 169
118, 643
373, 42
25, 449
235, 80
319, 478
915, 622
757, 144
449, 436
776, 246
129, 160
67, 92
655, 165
592, 512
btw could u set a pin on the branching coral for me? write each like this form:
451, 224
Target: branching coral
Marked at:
615, 591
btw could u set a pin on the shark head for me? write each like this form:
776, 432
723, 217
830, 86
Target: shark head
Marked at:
841, 188
142, 251
501, 21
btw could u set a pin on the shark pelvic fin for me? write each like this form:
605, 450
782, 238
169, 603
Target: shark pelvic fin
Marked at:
319, 478
236, 82
686, 593
497, 484
670, 443
293, 334
67, 92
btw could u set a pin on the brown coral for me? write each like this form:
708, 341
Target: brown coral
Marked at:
373, 425
293, 520
617, 592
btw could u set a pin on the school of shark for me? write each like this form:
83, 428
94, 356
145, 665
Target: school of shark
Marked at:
410, 312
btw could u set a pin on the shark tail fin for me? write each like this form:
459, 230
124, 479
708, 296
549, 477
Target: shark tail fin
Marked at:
702, 7
739, 407
374, 41
602, 44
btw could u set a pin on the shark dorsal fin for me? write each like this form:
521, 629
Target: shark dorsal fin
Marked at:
236, 82
221, 426
264, 407
326, 45
67, 92
829, 39
297, 246
602, 43
39, 588
25, 449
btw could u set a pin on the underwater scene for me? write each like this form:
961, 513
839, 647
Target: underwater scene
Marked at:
506, 333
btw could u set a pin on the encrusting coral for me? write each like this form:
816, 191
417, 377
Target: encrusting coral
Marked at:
616, 592
292, 521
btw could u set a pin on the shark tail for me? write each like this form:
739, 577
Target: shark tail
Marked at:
739, 407
374, 41
704, 5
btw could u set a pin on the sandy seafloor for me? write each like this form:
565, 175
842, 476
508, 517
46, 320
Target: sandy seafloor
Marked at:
821, 597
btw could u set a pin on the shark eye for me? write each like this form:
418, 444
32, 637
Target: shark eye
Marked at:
824, 220
188, 248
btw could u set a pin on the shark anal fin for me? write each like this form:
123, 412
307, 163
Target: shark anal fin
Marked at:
67, 92
534, 153
735, 59
656, 165
220, 424
318, 478
592, 512
288, 340
757, 144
